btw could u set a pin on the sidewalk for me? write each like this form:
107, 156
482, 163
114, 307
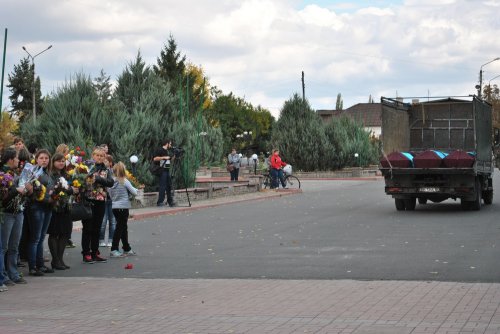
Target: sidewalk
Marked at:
108, 306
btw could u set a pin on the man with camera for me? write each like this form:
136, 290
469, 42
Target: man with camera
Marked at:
164, 157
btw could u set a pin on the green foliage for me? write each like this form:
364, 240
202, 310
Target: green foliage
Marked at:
348, 137
339, 105
300, 137
234, 116
20, 85
103, 88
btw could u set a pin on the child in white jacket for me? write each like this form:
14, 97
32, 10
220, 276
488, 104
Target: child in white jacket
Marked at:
119, 193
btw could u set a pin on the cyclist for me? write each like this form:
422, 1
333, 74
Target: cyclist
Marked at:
277, 170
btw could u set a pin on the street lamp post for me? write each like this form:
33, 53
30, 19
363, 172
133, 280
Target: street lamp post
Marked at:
133, 160
33, 85
480, 89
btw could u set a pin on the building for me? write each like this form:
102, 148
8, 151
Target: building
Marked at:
368, 114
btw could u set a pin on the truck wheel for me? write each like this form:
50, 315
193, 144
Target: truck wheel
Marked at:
465, 204
400, 204
476, 203
488, 197
422, 200
410, 203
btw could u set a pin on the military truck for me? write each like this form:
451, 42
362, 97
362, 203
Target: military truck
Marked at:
443, 125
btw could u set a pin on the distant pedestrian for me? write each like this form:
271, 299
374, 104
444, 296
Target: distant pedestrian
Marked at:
234, 160
108, 219
277, 170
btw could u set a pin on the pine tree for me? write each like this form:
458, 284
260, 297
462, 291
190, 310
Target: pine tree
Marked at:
21, 85
300, 136
339, 105
171, 65
102, 86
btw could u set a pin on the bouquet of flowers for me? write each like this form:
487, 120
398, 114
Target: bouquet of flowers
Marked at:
133, 180
79, 175
6, 181
59, 195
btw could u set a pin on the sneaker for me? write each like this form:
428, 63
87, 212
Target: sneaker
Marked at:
109, 244
9, 283
172, 205
34, 272
160, 204
116, 254
88, 259
130, 253
20, 280
99, 259
3, 288
46, 270
102, 244
70, 244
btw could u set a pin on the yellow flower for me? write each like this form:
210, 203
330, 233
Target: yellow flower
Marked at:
61, 193
71, 172
72, 152
76, 184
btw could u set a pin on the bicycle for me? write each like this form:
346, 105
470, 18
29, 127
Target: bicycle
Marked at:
291, 181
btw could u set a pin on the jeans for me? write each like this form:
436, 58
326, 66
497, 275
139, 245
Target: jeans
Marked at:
12, 228
108, 217
277, 175
2, 267
121, 230
91, 229
234, 174
165, 187
39, 223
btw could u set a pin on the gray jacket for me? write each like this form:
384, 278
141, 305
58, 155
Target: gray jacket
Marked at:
119, 194
234, 159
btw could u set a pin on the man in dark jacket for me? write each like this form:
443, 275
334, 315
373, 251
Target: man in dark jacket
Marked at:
164, 157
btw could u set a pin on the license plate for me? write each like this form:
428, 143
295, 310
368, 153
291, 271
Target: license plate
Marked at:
429, 190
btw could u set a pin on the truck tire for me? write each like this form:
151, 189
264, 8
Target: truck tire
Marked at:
410, 203
400, 204
488, 197
476, 203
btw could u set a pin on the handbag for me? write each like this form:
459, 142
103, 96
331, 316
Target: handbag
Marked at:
81, 210
229, 167
155, 169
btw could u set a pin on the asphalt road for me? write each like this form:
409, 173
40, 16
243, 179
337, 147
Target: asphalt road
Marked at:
333, 230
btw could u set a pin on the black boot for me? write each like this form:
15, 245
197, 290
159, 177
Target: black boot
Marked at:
62, 242
53, 243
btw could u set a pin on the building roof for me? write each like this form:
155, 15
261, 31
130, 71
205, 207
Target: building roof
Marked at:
369, 114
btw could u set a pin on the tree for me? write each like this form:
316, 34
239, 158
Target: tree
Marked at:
300, 137
20, 85
171, 65
370, 99
102, 86
339, 105
8, 126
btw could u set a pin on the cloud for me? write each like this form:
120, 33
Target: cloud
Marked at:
258, 48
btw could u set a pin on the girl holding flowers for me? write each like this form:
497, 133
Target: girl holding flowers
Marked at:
12, 195
40, 209
60, 224
97, 181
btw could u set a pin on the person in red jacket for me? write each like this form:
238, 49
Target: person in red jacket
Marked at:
277, 169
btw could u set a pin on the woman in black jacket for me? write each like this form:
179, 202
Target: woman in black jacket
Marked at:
60, 224
98, 180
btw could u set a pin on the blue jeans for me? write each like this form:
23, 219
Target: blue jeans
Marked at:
39, 223
2, 268
108, 216
277, 176
12, 228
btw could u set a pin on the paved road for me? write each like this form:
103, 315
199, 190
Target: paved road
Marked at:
334, 230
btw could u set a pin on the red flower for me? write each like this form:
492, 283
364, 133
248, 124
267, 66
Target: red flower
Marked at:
78, 148
82, 153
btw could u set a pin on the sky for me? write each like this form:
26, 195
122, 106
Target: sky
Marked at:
257, 49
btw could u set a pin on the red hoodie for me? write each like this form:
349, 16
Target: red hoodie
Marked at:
276, 162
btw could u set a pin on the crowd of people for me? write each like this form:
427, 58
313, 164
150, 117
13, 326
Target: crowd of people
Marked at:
39, 194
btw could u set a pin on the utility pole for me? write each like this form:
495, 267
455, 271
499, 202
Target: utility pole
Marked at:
3, 68
303, 88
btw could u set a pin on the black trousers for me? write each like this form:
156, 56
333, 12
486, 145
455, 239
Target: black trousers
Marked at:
165, 187
92, 228
121, 231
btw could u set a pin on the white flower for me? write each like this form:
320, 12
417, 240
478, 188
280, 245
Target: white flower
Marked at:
63, 182
74, 160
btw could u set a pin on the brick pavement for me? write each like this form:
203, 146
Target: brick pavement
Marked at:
106, 305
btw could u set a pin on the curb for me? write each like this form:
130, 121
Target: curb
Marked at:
280, 193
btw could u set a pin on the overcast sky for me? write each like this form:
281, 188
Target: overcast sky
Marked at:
257, 49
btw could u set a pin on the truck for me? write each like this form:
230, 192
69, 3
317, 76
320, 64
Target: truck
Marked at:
440, 124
